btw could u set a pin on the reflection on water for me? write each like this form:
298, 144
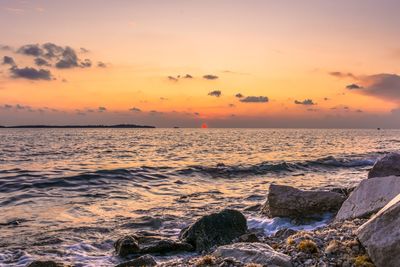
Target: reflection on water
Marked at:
70, 193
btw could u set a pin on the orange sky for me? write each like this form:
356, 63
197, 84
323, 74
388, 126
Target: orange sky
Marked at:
288, 52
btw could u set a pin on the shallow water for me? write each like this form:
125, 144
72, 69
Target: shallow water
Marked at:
70, 193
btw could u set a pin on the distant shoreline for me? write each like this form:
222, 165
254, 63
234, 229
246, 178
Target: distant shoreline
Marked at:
118, 126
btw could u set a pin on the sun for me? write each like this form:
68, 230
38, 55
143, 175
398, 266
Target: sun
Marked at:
204, 125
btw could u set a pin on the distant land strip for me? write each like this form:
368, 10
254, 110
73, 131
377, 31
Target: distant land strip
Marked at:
80, 126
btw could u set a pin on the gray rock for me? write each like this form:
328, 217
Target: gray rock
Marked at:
143, 261
287, 201
126, 245
167, 246
369, 197
215, 229
381, 235
387, 166
45, 263
253, 253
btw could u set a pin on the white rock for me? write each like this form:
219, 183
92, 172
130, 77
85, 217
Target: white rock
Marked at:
369, 197
381, 235
254, 253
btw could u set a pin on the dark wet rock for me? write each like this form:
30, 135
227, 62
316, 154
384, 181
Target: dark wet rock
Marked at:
249, 238
166, 247
381, 235
126, 245
387, 166
259, 253
215, 229
145, 221
346, 191
46, 263
143, 261
256, 207
369, 197
284, 233
287, 201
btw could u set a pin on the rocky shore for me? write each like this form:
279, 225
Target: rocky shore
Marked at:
365, 230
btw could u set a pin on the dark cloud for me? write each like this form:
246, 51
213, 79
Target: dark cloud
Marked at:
353, 86
326, 99
101, 64
254, 99
31, 73
87, 63
231, 105
9, 61
135, 109
385, 86
188, 76
5, 47
84, 50
307, 102
239, 95
210, 77
155, 112
341, 75
7, 106
52, 51
172, 78
69, 59
216, 93
30, 50
41, 62
101, 109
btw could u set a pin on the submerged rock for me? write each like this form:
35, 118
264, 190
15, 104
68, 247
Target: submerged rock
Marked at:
287, 201
167, 246
369, 197
46, 263
215, 229
143, 261
387, 166
126, 245
253, 253
381, 235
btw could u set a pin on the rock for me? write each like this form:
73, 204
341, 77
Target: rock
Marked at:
287, 201
253, 253
389, 165
215, 229
284, 233
48, 263
249, 237
126, 245
381, 235
143, 261
167, 246
369, 196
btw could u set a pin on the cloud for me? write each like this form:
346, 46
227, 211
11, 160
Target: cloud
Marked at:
216, 93
384, 86
30, 73
30, 50
9, 61
155, 112
135, 109
307, 102
5, 47
172, 78
41, 62
239, 95
188, 76
87, 63
353, 86
69, 59
52, 50
210, 77
101, 64
101, 109
342, 75
254, 99
84, 50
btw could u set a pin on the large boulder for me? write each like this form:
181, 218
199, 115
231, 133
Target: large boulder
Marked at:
369, 197
381, 235
167, 246
389, 165
45, 263
215, 229
143, 261
287, 201
259, 253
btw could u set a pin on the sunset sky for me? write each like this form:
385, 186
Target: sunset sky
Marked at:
168, 63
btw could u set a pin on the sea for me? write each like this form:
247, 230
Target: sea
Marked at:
69, 194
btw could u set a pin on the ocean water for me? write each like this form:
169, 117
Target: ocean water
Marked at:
68, 194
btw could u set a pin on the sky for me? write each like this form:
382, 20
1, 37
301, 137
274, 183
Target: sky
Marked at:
311, 63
